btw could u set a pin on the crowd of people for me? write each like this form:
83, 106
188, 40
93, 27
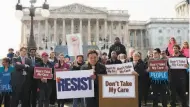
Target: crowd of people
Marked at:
29, 91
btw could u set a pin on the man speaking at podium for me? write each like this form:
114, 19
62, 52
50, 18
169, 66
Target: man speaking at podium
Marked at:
98, 69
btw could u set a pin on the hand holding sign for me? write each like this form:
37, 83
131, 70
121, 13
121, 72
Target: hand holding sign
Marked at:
44, 80
148, 69
56, 65
58, 79
18, 63
186, 65
65, 69
93, 77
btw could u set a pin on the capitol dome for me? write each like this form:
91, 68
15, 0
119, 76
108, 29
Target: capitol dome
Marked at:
182, 9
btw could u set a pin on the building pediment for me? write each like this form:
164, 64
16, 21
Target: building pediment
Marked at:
76, 8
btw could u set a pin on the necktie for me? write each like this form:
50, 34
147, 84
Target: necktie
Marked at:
23, 60
33, 61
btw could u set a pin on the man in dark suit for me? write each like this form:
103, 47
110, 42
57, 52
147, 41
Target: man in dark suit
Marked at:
33, 91
98, 69
20, 79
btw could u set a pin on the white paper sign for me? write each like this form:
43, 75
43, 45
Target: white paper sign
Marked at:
74, 84
125, 68
177, 63
74, 43
118, 86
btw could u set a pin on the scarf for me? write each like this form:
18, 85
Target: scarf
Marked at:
170, 48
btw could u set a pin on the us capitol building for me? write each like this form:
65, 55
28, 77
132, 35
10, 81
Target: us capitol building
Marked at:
99, 27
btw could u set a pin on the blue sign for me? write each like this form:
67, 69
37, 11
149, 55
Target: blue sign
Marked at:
5, 78
75, 84
163, 76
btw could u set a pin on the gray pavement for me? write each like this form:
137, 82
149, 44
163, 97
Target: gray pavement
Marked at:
148, 105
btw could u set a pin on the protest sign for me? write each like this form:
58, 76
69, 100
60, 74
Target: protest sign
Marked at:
177, 63
74, 84
74, 44
125, 68
42, 72
158, 71
118, 86
188, 63
157, 65
5, 78
57, 70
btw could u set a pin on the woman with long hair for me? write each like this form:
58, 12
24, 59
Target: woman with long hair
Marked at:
169, 50
65, 67
185, 52
185, 49
6, 70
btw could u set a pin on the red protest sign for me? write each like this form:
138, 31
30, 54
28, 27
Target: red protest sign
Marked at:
41, 72
157, 65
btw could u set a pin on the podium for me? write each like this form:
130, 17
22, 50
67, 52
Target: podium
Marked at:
118, 90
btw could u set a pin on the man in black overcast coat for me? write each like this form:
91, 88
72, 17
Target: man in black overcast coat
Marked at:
99, 69
117, 47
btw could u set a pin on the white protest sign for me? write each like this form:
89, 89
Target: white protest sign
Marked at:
118, 86
74, 44
125, 68
74, 84
177, 63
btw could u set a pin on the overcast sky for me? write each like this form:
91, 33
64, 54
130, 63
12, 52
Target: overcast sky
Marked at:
138, 10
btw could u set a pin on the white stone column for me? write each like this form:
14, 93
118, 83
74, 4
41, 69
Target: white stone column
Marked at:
72, 26
135, 38
22, 34
89, 32
142, 43
64, 33
39, 33
126, 38
119, 31
46, 29
111, 35
105, 28
97, 31
55, 31
81, 27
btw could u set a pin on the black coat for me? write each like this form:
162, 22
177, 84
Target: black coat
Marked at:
110, 61
100, 69
118, 48
18, 80
77, 67
140, 68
